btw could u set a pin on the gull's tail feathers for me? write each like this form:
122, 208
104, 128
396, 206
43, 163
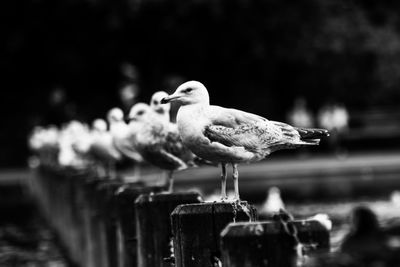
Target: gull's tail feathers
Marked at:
311, 134
308, 142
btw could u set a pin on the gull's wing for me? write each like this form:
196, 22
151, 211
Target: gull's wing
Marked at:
232, 127
252, 137
173, 144
126, 145
232, 118
162, 158
127, 148
102, 147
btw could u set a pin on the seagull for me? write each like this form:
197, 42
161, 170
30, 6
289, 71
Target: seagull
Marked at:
273, 203
323, 219
99, 125
69, 135
163, 112
123, 136
44, 141
157, 143
102, 148
161, 109
231, 136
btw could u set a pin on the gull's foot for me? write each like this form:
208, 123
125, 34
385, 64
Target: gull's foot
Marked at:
224, 198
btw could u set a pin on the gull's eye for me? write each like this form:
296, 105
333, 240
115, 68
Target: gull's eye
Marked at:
155, 102
140, 113
188, 90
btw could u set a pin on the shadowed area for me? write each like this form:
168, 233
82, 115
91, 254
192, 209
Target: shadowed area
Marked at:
25, 238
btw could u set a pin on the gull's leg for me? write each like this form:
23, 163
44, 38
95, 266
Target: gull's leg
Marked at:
170, 182
235, 176
112, 170
223, 181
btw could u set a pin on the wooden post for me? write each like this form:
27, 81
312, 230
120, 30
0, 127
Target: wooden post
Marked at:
75, 207
107, 211
95, 233
154, 226
86, 190
61, 197
197, 227
269, 243
126, 196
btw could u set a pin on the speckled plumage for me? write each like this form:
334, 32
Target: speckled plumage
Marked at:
233, 136
158, 141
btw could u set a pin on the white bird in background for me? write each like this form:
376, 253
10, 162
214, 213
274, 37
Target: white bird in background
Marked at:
161, 109
93, 147
273, 203
69, 134
102, 148
323, 219
232, 136
123, 136
43, 141
99, 126
156, 142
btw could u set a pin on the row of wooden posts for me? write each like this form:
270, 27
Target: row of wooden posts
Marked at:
105, 223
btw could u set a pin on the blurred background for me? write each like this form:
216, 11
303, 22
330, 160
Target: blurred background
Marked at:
78, 58
331, 64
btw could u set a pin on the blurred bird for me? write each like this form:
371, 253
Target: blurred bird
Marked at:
102, 148
157, 143
94, 148
123, 136
43, 141
232, 136
273, 203
69, 135
395, 198
366, 238
323, 219
161, 109
99, 125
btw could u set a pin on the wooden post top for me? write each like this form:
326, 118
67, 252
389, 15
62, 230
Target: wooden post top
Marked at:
162, 197
270, 227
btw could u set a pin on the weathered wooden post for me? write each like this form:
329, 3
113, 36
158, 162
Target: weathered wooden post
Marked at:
271, 243
107, 210
95, 234
126, 196
85, 213
75, 208
153, 221
197, 227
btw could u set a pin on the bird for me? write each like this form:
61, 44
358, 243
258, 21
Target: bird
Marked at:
161, 109
366, 237
70, 133
231, 136
273, 203
163, 112
122, 135
157, 142
101, 148
323, 219
44, 142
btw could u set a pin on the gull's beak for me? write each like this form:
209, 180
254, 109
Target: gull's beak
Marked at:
129, 119
169, 98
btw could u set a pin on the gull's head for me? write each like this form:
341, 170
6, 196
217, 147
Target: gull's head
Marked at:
139, 112
99, 125
155, 103
115, 115
188, 93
